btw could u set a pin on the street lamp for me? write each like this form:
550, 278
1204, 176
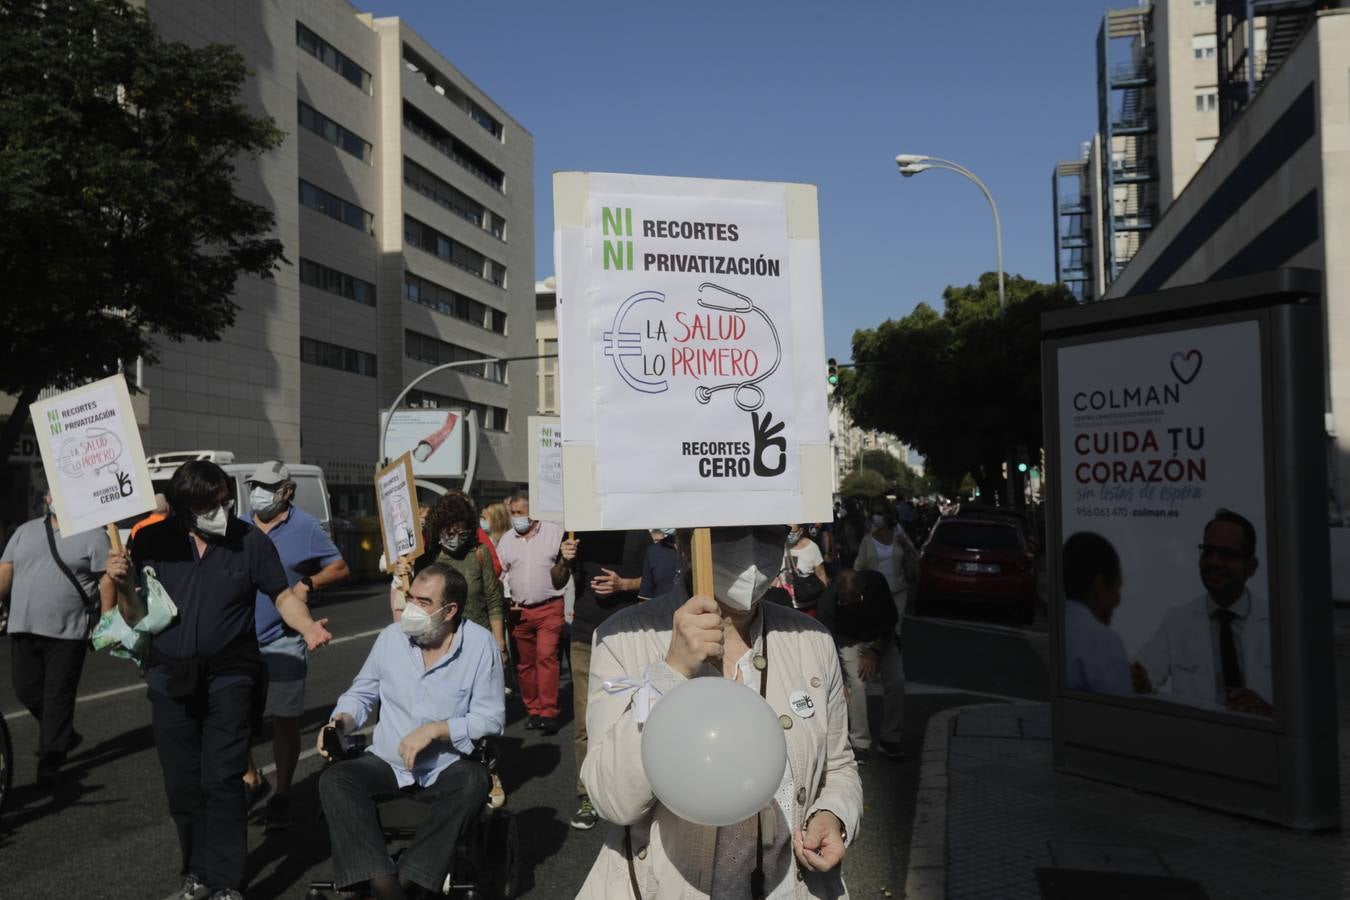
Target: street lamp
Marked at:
912, 164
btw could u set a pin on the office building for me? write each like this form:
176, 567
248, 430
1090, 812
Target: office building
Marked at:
404, 197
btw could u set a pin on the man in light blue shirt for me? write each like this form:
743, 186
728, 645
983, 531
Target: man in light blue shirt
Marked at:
1094, 654
438, 681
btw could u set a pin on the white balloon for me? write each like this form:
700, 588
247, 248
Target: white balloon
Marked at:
714, 751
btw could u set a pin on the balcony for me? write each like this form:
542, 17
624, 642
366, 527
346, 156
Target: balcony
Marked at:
1127, 171
1133, 222
1074, 241
1131, 75
1073, 208
1077, 273
1142, 123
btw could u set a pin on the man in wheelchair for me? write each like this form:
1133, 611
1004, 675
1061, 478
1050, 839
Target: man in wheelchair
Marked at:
438, 682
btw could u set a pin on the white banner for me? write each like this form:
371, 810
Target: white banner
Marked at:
691, 352
434, 437
546, 468
1157, 434
92, 454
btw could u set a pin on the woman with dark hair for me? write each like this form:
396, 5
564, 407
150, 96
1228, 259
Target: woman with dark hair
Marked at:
206, 677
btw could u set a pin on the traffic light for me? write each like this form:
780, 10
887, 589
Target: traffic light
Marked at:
1022, 467
832, 374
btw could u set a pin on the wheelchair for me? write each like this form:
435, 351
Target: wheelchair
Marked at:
486, 864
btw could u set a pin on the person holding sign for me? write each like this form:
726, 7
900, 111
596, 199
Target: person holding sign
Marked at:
206, 677
50, 581
794, 846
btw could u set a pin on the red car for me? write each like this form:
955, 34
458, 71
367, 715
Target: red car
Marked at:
978, 561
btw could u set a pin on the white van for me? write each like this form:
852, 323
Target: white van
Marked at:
311, 490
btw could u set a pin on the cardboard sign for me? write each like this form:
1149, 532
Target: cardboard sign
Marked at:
691, 352
434, 437
1157, 433
546, 471
400, 522
92, 454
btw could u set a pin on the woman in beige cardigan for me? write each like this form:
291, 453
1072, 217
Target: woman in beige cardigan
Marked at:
794, 846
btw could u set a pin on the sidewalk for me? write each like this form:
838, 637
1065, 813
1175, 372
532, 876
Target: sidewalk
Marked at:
991, 811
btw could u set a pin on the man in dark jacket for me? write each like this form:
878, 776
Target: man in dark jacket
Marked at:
858, 610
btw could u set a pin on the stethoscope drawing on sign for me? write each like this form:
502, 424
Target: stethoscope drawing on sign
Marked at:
752, 387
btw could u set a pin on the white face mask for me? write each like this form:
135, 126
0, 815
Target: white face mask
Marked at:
793, 538
452, 542
521, 524
263, 501
418, 623
215, 523
743, 569
878, 521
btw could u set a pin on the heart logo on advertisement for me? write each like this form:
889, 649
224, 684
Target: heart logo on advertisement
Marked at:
1187, 365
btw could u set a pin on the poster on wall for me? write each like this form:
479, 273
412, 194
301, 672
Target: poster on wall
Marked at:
1162, 459
546, 470
691, 351
91, 451
400, 519
434, 438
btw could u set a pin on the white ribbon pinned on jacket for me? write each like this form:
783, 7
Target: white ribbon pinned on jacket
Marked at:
644, 693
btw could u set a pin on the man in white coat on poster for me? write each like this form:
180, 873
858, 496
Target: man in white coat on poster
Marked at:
1214, 650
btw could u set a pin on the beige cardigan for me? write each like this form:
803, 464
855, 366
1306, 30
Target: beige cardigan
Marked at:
673, 858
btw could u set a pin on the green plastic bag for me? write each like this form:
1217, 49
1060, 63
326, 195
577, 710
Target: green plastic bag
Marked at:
126, 642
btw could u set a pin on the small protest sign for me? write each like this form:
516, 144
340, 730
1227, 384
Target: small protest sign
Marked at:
545, 467
92, 455
400, 522
691, 352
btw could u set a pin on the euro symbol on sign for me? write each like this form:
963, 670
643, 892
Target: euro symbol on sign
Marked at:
621, 345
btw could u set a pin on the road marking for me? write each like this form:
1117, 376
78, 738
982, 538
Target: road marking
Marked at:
140, 685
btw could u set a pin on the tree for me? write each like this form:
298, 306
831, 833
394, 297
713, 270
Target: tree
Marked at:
961, 387
863, 483
881, 462
119, 221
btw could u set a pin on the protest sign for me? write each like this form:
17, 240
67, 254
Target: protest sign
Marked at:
434, 438
1158, 433
546, 472
91, 451
400, 522
691, 352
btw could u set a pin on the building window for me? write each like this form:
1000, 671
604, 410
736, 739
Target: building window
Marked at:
335, 207
315, 121
452, 303
1202, 2
335, 282
1204, 46
484, 118
331, 57
1206, 99
493, 418
418, 65
424, 237
447, 195
331, 356
1203, 148
436, 352
422, 125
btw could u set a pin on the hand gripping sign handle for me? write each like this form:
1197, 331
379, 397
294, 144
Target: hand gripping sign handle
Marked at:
129, 603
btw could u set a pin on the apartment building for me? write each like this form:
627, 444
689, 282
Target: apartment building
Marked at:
404, 197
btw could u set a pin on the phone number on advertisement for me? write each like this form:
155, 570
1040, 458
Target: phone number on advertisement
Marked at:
1101, 512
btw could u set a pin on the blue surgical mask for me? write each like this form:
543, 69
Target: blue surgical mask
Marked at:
521, 524
263, 502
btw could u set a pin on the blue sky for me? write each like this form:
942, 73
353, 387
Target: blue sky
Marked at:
795, 91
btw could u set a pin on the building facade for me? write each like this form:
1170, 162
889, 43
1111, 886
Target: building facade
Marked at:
404, 197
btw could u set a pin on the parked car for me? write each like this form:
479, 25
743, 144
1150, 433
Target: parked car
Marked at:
1002, 514
969, 561
311, 489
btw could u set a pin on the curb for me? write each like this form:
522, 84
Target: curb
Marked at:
926, 875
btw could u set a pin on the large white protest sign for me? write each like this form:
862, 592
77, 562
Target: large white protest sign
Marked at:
691, 351
400, 523
546, 469
92, 454
1157, 433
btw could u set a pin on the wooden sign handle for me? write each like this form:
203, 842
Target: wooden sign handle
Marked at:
701, 551
128, 601
115, 538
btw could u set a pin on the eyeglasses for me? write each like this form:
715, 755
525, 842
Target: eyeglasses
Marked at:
1225, 553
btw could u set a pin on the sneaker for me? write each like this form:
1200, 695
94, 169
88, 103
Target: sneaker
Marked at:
548, 725
278, 816
585, 817
890, 749
191, 889
532, 723
496, 796
257, 793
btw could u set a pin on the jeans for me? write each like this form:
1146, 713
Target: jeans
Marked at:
349, 790
203, 750
46, 674
537, 635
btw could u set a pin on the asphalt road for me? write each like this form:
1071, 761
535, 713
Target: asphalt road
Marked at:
105, 831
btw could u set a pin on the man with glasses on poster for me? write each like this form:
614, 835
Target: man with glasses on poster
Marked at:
1215, 650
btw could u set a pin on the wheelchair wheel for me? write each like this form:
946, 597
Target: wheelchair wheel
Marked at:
504, 851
